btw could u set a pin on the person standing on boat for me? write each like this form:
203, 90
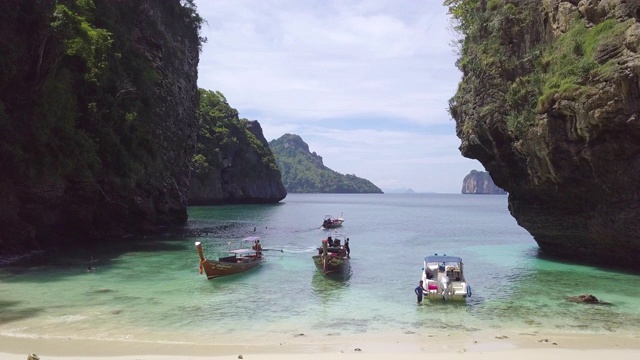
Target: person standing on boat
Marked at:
346, 247
418, 290
258, 248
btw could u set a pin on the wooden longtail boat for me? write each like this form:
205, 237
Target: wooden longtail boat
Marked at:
240, 260
333, 257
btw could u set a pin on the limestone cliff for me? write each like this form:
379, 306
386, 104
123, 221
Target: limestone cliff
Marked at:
549, 103
233, 163
480, 182
245, 176
97, 118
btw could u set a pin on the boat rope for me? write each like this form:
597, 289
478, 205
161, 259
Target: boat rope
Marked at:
324, 265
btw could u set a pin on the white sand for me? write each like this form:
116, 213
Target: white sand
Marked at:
410, 347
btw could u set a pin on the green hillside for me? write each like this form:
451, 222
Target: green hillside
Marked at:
304, 172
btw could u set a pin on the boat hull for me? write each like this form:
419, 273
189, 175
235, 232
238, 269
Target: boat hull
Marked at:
229, 265
215, 269
332, 264
458, 291
332, 225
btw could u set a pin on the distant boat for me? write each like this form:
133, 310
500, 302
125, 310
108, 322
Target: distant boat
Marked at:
240, 260
443, 278
330, 222
333, 257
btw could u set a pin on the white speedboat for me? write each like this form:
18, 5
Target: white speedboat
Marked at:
443, 278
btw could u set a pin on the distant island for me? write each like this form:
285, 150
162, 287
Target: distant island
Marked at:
304, 172
400, 191
480, 182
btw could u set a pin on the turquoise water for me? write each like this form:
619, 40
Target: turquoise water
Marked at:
149, 289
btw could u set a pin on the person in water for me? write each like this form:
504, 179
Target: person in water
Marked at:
418, 291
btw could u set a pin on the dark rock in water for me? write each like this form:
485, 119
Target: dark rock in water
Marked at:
565, 147
586, 299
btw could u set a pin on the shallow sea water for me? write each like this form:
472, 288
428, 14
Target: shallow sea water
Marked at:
150, 290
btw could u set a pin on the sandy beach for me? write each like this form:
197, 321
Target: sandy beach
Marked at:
411, 346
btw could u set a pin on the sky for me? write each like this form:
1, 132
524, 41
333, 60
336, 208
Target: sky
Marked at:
365, 83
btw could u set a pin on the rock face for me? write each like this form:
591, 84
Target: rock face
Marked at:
480, 182
97, 119
549, 103
230, 184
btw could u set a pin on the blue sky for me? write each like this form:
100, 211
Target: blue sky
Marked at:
365, 83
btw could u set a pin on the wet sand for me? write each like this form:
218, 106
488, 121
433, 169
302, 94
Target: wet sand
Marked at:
485, 345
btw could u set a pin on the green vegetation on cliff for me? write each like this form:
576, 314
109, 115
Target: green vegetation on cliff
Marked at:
78, 105
97, 117
577, 55
510, 89
304, 172
513, 69
224, 141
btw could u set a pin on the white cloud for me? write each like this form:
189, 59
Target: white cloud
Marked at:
294, 64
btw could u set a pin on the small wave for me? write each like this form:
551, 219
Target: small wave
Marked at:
68, 319
17, 334
12, 259
299, 251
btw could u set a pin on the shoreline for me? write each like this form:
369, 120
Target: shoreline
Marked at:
482, 345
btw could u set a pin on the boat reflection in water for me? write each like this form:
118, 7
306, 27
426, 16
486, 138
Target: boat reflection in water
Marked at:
329, 289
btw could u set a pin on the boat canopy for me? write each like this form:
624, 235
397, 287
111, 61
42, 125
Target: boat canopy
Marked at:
242, 251
251, 238
442, 258
337, 235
